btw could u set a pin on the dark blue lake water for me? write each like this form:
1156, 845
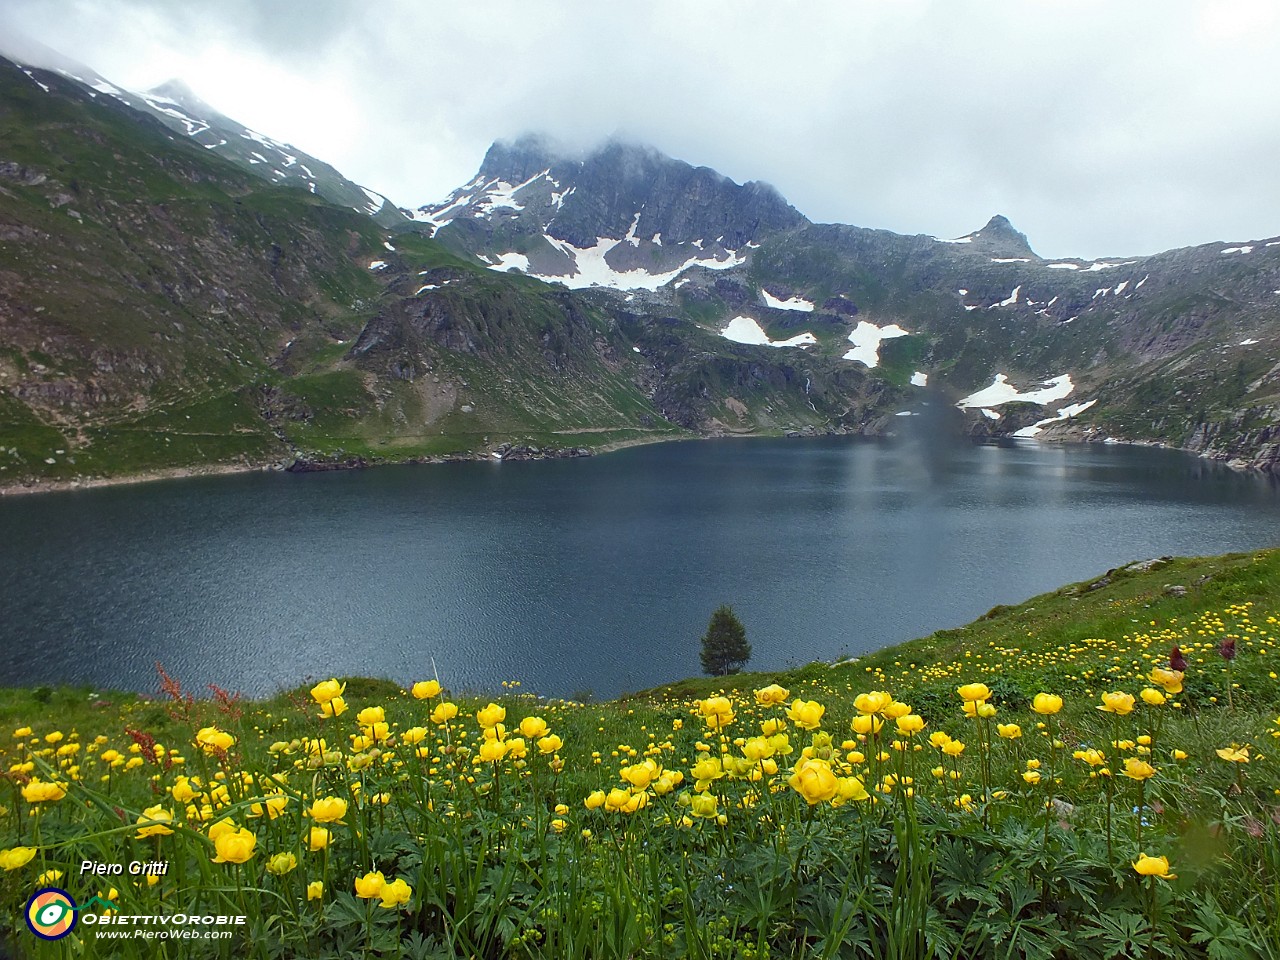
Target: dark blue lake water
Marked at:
585, 575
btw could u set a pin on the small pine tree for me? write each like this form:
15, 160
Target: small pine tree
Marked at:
724, 645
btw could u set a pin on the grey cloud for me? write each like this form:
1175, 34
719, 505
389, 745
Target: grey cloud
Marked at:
1097, 128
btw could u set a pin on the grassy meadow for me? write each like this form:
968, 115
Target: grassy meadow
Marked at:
1094, 773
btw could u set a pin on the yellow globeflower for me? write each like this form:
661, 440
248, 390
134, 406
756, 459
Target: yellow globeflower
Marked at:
426, 689
873, 702
640, 775
896, 709
326, 690
953, 748
233, 846
1170, 680
974, 692
490, 716
979, 708
866, 723
707, 769
491, 751
317, 839
315, 890
16, 857
282, 863
1118, 702
595, 800
21, 732
806, 714
154, 822
371, 715
772, 695
333, 708
328, 809
1153, 867
369, 887
214, 740
813, 780
1234, 754
1010, 731
1046, 704
41, 791
851, 788
910, 723
395, 894
531, 728
717, 712
444, 712
1031, 776
1136, 769
705, 805
550, 743
939, 738
1151, 697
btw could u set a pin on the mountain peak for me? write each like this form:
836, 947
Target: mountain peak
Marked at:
1000, 239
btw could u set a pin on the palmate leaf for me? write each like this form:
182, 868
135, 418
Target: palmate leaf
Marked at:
1222, 935
1119, 933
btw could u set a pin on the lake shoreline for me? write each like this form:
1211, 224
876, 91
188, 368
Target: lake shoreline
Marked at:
277, 466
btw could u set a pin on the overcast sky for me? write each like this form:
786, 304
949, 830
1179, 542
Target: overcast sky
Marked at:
1096, 127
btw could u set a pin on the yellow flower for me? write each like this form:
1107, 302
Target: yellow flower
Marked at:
939, 738
1178, 754
282, 863
1153, 867
326, 690
550, 743
716, 711
317, 839
813, 780
865, 723
21, 732
491, 751
896, 709
771, 695
444, 712
974, 692
595, 800
369, 887
1091, 756
328, 809
371, 715
704, 805
873, 702
315, 890
214, 740
54, 737
273, 806
395, 894
953, 748
16, 857
41, 791
910, 723
1136, 769
533, 727
1152, 697
1010, 731
1119, 703
559, 825
979, 708
154, 822
490, 716
414, 735
1170, 680
1234, 754
1031, 776
333, 708
851, 788
707, 769
640, 775
183, 791
1046, 704
806, 714
233, 846
426, 689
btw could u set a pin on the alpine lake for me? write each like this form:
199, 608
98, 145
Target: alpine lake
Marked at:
582, 577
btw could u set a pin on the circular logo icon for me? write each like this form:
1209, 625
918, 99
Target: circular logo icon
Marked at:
51, 913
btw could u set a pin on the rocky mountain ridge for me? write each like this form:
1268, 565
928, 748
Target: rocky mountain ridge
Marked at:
167, 303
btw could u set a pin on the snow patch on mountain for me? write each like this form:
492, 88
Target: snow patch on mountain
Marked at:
866, 339
792, 303
1064, 413
1002, 391
508, 260
591, 269
748, 330
919, 379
